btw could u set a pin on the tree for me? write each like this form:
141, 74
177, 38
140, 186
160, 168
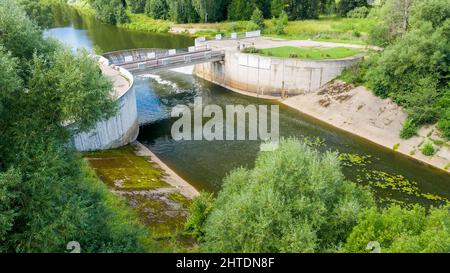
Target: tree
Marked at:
302, 9
110, 11
344, 6
40, 12
48, 196
294, 200
136, 6
157, 9
199, 211
182, 11
277, 7
258, 18
401, 230
241, 9
413, 69
211, 10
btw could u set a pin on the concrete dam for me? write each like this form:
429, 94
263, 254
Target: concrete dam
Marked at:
218, 61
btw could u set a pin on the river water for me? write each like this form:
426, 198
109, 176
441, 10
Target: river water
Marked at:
393, 177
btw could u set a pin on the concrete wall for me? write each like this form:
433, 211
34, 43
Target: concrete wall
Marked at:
119, 130
272, 76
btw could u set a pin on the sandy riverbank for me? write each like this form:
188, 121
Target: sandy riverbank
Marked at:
358, 111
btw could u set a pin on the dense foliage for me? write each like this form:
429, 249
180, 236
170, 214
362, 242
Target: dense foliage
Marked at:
345, 6
413, 69
294, 200
48, 196
189, 11
401, 230
110, 11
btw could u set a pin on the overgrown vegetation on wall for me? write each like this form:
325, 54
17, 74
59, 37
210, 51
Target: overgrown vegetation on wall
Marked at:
48, 195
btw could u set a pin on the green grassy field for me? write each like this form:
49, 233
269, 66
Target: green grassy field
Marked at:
332, 29
312, 53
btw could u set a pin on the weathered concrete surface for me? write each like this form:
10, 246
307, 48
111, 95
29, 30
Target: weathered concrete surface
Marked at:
121, 129
268, 75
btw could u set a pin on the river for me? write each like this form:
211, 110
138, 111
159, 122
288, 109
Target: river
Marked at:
393, 177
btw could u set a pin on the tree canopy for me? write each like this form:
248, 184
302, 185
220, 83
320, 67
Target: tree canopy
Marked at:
49, 197
294, 200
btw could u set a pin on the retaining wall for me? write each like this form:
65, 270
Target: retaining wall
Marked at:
272, 76
117, 131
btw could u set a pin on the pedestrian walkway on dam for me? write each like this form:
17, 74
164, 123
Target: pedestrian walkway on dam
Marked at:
120, 83
266, 42
141, 61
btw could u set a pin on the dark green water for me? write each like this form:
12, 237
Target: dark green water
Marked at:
392, 177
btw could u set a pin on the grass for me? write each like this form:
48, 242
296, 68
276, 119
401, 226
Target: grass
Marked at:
311, 53
330, 29
141, 22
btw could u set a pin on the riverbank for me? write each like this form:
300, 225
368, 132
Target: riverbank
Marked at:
358, 111
326, 28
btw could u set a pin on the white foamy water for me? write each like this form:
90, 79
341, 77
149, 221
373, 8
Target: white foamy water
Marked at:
159, 80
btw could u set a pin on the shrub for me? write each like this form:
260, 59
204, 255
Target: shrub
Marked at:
402, 230
293, 200
409, 129
359, 12
251, 50
428, 148
199, 211
258, 18
444, 123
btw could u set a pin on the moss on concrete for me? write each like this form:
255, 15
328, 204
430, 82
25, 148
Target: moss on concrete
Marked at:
141, 182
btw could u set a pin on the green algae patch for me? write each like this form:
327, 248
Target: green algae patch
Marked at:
162, 214
123, 169
141, 184
399, 183
350, 160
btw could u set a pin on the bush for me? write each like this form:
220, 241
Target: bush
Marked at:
345, 6
250, 50
258, 19
199, 211
359, 12
409, 129
402, 230
428, 148
444, 123
294, 200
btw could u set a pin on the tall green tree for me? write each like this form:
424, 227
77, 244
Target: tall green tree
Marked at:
294, 200
302, 9
182, 11
211, 10
276, 7
344, 6
48, 196
136, 6
157, 9
110, 11
241, 9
